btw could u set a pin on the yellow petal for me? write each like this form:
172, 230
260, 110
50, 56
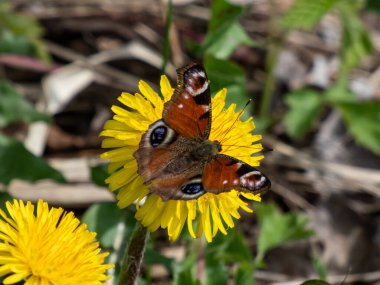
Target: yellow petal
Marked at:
191, 208
131, 192
218, 224
15, 278
166, 89
152, 96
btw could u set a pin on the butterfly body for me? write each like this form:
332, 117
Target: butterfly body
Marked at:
175, 156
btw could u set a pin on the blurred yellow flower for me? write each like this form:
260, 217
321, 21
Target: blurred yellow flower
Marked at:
48, 247
215, 212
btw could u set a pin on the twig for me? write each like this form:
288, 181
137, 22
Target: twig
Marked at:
115, 74
362, 178
291, 196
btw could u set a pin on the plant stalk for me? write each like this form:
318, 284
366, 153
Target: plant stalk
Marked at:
133, 256
274, 47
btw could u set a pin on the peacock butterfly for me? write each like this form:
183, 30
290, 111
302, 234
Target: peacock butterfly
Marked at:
175, 156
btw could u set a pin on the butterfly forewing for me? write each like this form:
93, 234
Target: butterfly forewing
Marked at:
155, 150
189, 110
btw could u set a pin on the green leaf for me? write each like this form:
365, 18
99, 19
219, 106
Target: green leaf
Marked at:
225, 74
11, 43
236, 249
238, 252
13, 107
99, 174
276, 228
152, 256
244, 274
262, 123
18, 23
104, 219
320, 267
362, 120
306, 14
225, 33
23, 26
40, 49
141, 281
361, 117
373, 5
339, 93
222, 42
315, 282
304, 108
356, 43
226, 249
222, 11
186, 278
18, 162
216, 271
183, 274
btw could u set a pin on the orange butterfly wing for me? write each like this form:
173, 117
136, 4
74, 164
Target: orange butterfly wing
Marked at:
224, 173
189, 110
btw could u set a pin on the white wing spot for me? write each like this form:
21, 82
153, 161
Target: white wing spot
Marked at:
254, 172
180, 106
225, 182
202, 74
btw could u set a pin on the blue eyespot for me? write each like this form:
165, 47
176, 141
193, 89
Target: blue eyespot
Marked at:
192, 188
158, 135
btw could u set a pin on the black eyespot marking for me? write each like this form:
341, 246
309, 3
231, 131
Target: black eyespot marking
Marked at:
192, 188
158, 135
201, 80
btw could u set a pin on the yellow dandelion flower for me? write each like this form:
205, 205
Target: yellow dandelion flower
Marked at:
48, 247
214, 212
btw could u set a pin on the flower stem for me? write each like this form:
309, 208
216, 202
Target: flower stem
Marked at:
133, 256
274, 48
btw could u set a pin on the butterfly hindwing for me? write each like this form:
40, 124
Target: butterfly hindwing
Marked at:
184, 186
224, 173
189, 110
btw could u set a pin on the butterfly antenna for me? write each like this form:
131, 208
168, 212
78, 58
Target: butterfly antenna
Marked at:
237, 118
